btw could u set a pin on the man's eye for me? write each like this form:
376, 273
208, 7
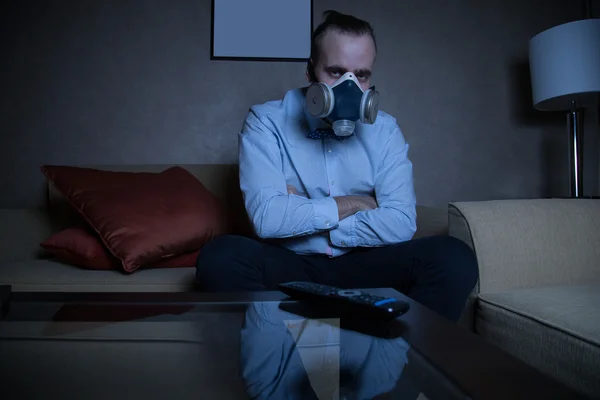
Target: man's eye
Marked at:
335, 73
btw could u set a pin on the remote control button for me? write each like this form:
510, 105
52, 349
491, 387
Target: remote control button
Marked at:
349, 293
385, 301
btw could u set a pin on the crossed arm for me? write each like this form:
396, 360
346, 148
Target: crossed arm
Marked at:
347, 205
352, 221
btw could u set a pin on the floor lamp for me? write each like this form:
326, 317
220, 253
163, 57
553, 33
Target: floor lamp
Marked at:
565, 76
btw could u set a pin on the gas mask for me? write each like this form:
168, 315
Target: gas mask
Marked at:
343, 103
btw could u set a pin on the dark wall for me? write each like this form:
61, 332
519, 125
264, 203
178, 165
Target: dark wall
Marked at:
131, 82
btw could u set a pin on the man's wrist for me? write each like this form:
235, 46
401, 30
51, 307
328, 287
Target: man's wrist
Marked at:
350, 205
346, 206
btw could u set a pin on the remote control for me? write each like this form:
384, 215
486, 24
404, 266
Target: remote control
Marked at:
349, 300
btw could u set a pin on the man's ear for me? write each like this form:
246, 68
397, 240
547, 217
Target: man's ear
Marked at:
310, 71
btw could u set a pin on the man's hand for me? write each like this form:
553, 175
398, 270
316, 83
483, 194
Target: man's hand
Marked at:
347, 205
292, 190
350, 205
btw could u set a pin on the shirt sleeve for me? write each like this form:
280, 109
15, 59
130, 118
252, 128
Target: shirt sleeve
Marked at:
394, 220
273, 212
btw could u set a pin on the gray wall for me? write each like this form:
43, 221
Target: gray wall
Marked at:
131, 82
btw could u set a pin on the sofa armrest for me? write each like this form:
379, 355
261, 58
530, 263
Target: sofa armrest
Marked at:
527, 243
21, 232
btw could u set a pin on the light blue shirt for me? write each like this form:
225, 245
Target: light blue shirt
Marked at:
274, 152
278, 349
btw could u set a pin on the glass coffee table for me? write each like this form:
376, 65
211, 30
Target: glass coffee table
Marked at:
244, 345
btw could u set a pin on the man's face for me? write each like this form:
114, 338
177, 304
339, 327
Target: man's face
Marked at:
341, 53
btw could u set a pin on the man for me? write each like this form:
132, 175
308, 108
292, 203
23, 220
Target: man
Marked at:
336, 208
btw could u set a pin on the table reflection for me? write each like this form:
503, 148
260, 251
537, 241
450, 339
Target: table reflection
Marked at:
292, 351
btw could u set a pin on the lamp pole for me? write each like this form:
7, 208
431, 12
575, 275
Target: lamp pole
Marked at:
575, 127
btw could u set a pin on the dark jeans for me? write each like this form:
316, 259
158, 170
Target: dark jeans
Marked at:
438, 272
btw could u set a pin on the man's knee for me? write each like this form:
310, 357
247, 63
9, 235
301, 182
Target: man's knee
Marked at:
219, 259
459, 258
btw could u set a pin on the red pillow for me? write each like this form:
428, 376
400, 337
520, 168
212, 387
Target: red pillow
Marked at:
142, 217
82, 248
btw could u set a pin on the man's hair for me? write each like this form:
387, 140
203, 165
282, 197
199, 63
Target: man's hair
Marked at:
342, 23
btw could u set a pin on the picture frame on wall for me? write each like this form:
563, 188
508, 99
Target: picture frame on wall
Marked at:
261, 30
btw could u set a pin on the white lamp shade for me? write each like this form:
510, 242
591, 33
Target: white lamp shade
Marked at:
565, 65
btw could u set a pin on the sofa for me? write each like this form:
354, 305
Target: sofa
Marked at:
538, 295
28, 267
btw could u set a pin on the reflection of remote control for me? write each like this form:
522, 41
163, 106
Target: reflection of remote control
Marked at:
354, 302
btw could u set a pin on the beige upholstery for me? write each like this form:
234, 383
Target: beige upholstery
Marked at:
538, 295
524, 243
23, 265
554, 328
46, 275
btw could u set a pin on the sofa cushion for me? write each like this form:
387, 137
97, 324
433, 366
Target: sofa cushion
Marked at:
221, 179
52, 276
142, 217
81, 247
554, 328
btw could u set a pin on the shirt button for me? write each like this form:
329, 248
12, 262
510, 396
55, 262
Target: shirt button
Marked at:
293, 232
343, 243
329, 150
332, 183
326, 223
